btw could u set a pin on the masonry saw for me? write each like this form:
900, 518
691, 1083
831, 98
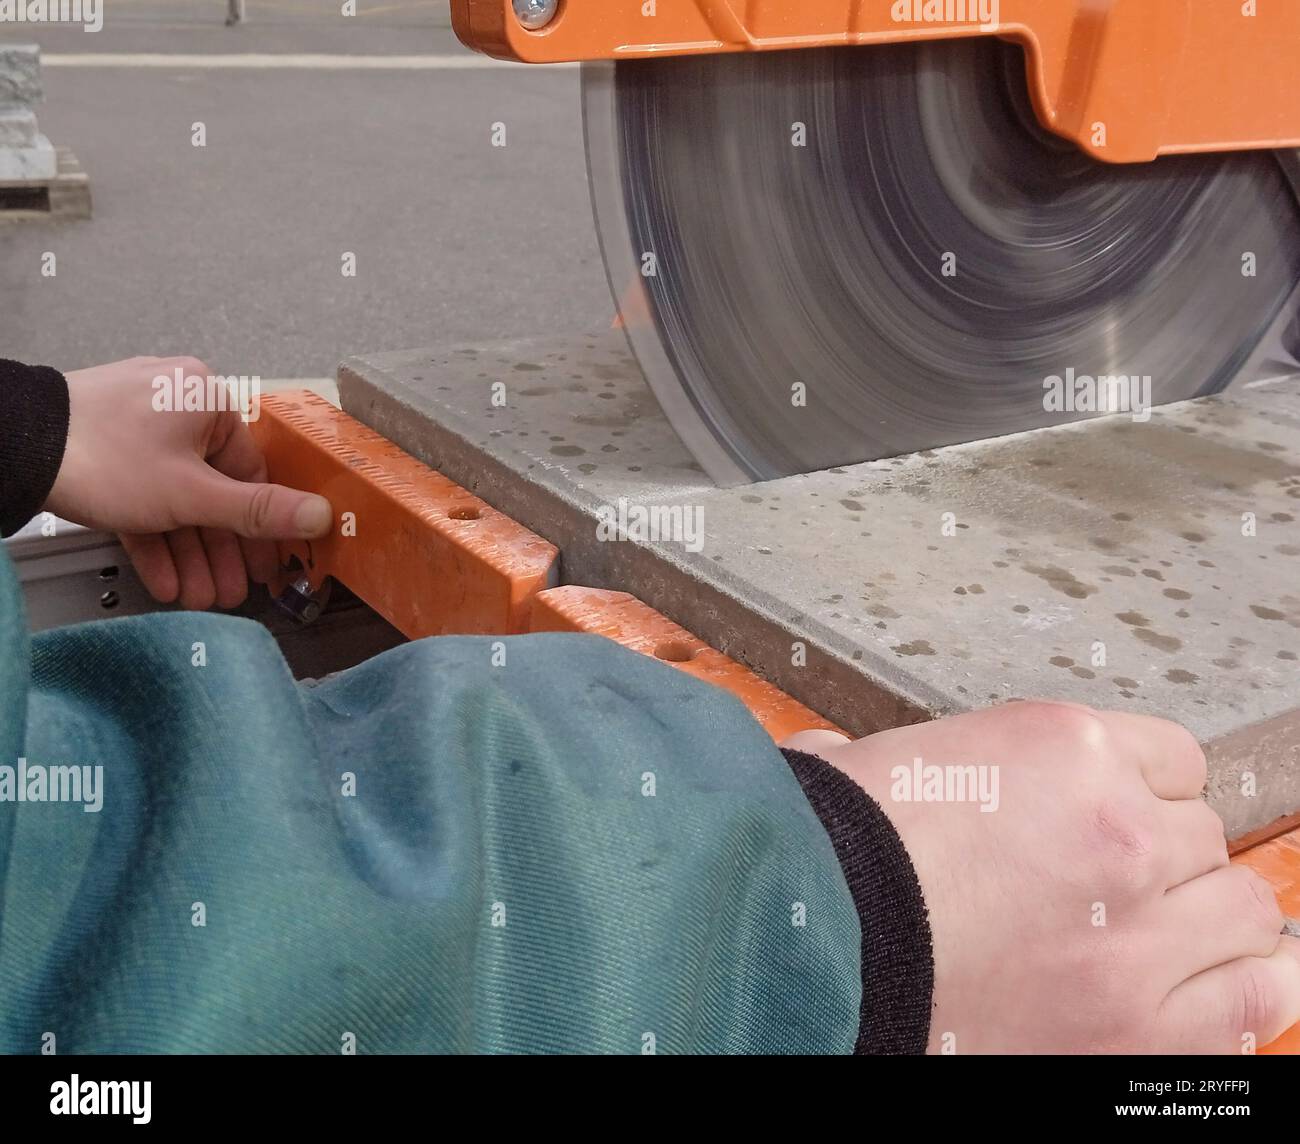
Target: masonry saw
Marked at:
842, 230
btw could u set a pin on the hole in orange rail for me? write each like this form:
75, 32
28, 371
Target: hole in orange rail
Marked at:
675, 651
469, 513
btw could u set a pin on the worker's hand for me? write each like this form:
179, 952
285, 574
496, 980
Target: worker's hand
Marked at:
1094, 909
186, 491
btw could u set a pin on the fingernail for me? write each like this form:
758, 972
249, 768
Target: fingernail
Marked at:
313, 516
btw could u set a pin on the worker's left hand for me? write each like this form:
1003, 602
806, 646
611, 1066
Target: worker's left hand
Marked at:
186, 491
1093, 908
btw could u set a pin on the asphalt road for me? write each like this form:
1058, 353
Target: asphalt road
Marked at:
233, 251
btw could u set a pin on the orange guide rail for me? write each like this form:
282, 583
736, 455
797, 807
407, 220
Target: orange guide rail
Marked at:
429, 557
626, 620
1279, 862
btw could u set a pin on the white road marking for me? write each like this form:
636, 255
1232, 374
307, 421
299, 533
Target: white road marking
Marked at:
270, 61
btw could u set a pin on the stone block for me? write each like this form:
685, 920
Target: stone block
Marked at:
20, 75
37, 163
18, 129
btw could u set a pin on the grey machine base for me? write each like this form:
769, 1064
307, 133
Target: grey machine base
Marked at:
79, 575
1150, 567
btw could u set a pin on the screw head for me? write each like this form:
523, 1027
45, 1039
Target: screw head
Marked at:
535, 14
300, 602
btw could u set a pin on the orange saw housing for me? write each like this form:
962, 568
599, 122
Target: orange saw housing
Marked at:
1125, 80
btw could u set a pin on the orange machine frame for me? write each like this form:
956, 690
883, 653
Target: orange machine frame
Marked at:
1126, 80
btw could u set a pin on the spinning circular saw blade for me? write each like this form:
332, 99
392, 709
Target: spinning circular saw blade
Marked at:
830, 256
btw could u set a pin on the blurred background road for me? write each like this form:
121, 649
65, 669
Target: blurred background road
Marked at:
233, 252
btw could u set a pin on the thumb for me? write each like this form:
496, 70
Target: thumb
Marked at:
256, 511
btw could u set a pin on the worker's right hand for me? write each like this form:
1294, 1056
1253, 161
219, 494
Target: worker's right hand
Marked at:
185, 490
1094, 910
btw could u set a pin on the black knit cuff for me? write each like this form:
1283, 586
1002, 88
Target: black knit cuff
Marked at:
897, 953
33, 433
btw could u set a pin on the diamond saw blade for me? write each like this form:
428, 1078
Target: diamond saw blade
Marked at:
830, 256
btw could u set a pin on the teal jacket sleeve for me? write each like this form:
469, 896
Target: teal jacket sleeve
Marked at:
537, 844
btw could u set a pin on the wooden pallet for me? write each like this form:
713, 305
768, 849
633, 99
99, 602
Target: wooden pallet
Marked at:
66, 197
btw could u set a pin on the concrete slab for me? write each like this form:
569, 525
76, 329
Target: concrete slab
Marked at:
1149, 567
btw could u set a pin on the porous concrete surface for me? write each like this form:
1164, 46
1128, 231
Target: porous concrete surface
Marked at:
1151, 567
